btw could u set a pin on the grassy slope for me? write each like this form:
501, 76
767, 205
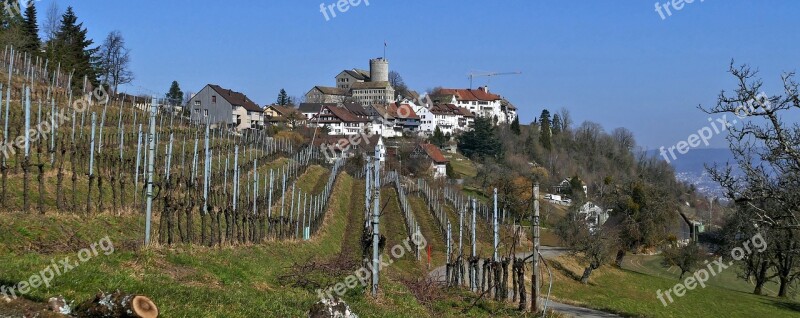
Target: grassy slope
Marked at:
192, 281
429, 230
461, 165
632, 293
651, 265
187, 281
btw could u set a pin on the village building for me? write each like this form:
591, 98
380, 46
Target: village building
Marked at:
339, 121
324, 94
594, 215
365, 88
284, 116
217, 105
480, 102
449, 118
434, 154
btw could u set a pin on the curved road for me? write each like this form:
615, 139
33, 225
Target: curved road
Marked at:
548, 252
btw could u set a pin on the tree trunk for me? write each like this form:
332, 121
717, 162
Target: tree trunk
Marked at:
101, 206
26, 204
586, 273
514, 285
3, 200
118, 304
620, 258
89, 195
521, 278
40, 178
60, 185
783, 290
761, 277
498, 283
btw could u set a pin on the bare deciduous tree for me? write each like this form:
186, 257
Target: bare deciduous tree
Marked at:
767, 152
52, 22
115, 61
566, 119
593, 246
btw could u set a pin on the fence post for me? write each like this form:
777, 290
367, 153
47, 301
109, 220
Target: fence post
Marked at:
150, 170
535, 227
376, 237
496, 227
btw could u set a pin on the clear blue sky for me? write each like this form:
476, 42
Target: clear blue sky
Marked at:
613, 62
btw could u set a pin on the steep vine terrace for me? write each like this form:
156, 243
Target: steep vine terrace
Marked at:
255, 224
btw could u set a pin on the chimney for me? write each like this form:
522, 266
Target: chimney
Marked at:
484, 88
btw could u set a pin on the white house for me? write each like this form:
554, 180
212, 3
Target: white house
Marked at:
449, 118
384, 123
438, 161
479, 102
566, 185
334, 147
593, 214
309, 110
339, 120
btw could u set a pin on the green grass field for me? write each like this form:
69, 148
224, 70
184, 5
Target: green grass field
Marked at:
729, 279
462, 165
634, 294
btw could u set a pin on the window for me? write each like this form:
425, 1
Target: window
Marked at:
205, 112
197, 103
214, 99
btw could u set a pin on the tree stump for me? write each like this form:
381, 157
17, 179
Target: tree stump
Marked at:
117, 304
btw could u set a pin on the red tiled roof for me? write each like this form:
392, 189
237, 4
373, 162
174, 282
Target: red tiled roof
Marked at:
236, 98
402, 111
470, 94
434, 153
450, 109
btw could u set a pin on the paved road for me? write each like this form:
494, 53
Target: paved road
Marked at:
569, 310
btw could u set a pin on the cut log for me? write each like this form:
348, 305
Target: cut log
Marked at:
117, 304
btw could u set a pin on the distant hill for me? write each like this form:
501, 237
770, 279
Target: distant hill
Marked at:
691, 167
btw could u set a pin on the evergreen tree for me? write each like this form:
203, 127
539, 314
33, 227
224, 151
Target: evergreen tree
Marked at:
438, 138
31, 29
481, 141
175, 95
557, 125
11, 28
545, 132
515, 126
72, 49
576, 188
529, 146
283, 98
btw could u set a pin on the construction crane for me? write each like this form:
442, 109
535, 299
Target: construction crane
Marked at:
489, 74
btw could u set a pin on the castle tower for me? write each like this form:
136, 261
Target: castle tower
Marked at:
379, 70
